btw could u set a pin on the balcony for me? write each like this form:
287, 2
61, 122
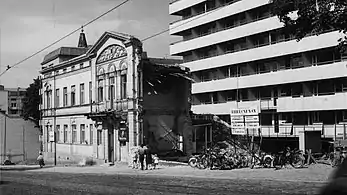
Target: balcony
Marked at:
205, 11
118, 105
214, 15
328, 131
277, 49
227, 34
179, 5
332, 70
337, 101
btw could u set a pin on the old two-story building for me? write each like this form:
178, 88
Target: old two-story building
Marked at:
101, 100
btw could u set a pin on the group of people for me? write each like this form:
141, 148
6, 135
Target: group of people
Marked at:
143, 158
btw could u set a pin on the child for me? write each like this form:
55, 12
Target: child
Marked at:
135, 160
155, 160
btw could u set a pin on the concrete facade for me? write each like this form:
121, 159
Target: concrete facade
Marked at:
95, 102
241, 57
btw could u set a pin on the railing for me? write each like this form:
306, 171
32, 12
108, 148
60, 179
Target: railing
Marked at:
254, 46
241, 74
288, 130
117, 105
204, 11
223, 29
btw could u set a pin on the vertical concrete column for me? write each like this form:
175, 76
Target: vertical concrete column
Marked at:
131, 129
116, 146
95, 141
302, 140
105, 133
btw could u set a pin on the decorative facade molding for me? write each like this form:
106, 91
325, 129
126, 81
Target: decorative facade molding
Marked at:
110, 53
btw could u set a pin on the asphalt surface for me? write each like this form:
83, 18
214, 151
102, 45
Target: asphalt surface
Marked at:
26, 182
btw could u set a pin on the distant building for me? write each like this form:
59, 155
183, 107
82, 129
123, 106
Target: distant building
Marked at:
103, 99
241, 58
19, 138
15, 100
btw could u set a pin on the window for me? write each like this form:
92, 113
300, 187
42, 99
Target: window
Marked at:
100, 90
99, 137
123, 83
82, 93
90, 92
65, 134
81, 65
73, 95
72, 68
65, 96
13, 105
49, 95
91, 135
64, 70
57, 72
83, 134
57, 98
57, 133
74, 133
111, 89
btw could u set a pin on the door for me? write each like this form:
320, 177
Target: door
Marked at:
110, 145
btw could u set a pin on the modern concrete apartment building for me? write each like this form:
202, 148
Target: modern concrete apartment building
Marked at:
240, 57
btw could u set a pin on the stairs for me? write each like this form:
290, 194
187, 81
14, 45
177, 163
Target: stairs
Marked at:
168, 134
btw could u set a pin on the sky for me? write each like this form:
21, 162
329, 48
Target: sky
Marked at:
26, 26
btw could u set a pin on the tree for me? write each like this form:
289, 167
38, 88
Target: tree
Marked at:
313, 16
32, 101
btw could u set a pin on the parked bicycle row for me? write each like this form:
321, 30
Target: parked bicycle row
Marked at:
223, 159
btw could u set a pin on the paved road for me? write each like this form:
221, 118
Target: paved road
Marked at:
26, 182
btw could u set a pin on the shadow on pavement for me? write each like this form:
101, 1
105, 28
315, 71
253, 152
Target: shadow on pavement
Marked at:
23, 168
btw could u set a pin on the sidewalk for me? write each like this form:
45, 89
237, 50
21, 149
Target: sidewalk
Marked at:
315, 173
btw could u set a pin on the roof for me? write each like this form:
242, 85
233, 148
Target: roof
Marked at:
15, 89
65, 51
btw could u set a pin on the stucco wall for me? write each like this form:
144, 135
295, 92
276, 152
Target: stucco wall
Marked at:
16, 129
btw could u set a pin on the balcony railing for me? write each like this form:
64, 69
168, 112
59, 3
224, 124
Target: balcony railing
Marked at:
252, 47
224, 28
117, 105
204, 11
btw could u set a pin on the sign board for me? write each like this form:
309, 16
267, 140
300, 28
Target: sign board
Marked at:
51, 136
243, 119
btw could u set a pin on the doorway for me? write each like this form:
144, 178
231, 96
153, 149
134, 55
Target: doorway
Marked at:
110, 145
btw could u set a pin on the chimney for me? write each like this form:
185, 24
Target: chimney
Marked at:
82, 42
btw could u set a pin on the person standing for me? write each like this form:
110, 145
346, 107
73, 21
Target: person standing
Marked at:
141, 153
148, 157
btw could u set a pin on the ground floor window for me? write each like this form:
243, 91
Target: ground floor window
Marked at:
82, 134
74, 133
57, 135
99, 137
65, 133
91, 136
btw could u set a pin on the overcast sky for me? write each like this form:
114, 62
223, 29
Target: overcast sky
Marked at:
29, 25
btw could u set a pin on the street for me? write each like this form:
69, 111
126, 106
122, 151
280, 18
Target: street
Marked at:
27, 182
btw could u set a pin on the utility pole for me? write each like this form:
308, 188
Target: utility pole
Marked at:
24, 159
54, 123
5, 135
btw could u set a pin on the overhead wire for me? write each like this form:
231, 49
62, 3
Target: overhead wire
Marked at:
8, 67
166, 30
143, 40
